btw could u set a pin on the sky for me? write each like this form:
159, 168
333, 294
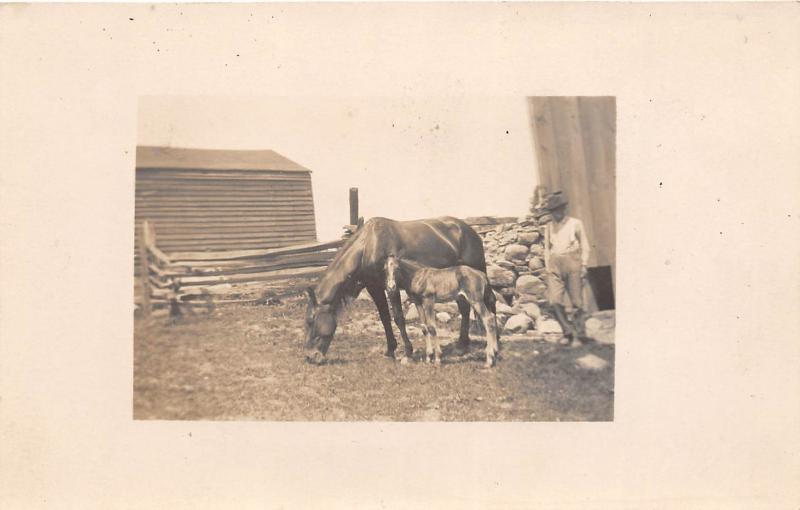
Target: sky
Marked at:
410, 157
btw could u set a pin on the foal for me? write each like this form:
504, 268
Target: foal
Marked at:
426, 285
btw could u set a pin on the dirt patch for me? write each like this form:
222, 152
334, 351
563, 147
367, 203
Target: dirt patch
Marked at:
246, 363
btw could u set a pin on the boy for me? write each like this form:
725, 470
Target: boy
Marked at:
566, 255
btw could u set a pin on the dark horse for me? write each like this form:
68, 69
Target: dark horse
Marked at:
440, 242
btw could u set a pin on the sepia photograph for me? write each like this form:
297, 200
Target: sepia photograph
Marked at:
393, 255
462, 282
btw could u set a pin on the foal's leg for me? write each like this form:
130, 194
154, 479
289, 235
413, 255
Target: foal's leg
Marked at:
463, 337
423, 318
383, 310
489, 321
400, 320
434, 352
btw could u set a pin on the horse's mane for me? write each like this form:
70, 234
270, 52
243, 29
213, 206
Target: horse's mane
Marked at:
347, 291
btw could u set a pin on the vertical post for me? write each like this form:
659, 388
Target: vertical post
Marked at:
354, 206
144, 241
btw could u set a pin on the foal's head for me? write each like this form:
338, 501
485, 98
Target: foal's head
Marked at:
391, 267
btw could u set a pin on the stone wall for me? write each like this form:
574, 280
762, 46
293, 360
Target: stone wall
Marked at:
514, 249
515, 266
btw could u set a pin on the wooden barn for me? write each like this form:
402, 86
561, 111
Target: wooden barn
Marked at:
199, 199
575, 144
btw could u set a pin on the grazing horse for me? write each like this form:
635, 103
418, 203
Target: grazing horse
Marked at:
426, 286
440, 242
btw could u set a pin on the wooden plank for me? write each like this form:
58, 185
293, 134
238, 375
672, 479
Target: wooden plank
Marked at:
223, 195
246, 254
219, 236
206, 269
227, 207
231, 228
262, 201
178, 186
598, 132
162, 257
265, 234
223, 177
227, 288
186, 281
205, 244
232, 193
489, 220
171, 230
251, 193
275, 212
159, 284
213, 212
156, 170
145, 270
572, 162
210, 247
194, 172
234, 245
225, 218
354, 206
223, 222
544, 141
192, 221
299, 200
172, 270
190, 185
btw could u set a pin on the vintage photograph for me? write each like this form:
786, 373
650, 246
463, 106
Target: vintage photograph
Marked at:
369, 255
256, 301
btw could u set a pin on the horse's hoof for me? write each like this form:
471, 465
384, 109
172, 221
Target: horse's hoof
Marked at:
389, 354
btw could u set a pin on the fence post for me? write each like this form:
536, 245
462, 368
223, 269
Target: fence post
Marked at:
144, 254
353, 206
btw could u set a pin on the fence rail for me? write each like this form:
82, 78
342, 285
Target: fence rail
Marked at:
205, 278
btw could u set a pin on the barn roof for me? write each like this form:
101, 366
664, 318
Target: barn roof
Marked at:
213, 159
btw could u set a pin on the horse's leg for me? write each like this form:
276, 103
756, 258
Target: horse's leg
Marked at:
423, 317
491, 303
463, 337
434, 352
490, 323
400, 320
383, 310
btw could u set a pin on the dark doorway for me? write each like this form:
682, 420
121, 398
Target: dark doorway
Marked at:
602, 286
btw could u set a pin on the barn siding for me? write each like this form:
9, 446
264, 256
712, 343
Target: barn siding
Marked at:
575, 140
198, 210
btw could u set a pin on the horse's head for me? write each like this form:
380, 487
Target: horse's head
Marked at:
391, 267
320, 324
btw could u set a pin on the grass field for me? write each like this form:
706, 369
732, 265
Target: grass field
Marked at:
246, 363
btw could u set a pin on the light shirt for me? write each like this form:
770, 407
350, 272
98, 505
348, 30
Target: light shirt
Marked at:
567, 236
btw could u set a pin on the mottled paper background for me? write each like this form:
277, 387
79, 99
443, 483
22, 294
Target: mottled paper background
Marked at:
707, 408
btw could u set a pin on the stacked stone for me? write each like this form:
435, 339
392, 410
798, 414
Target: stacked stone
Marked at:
515, 266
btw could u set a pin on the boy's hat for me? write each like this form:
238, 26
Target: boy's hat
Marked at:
556, 200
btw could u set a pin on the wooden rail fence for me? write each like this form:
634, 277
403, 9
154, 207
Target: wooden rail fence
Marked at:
205, 278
